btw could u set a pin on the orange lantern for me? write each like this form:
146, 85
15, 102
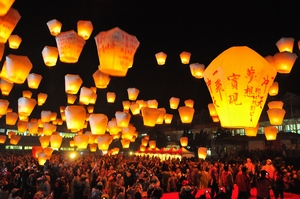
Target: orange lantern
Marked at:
2, 139
49, 128
35, 150
142, 103
81, 141
133, 93
122, 118
270, 132
152, 144
17, 68
202, 152
275, 104
126, 105
274, 89
98, 123
232, 78
27, 94
75, 117
32, 127
284, 61
215, 118
197, 70
93, 147
128, 132
161, 117
14, 41
125, 143
186, 114
285, 44
85, 95
34, 80
90, 109
8, 23
252, 132
46, 116
110, 96
116, 50
184, 141
101, 79
14, 140
72, 143
69, 46
26, 106
72, 83
6, 86
113, 127
44, 140
104, 142
168, 118
185, 57
144, 142
22, 126
161, 58
135, 108
5, 5
212, 110
174, 102
42, 158
84, 29
11, 118
55, 141
71, 98
54, 27
142, 148
42, 97
3, 106
152, 103
10, 133
150, 116
23, 118
276, 116
50, 55
189, 103
48, 151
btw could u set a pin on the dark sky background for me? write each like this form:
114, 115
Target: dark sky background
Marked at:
204, 28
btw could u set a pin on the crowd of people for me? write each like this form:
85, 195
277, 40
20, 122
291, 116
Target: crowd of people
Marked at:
93, 176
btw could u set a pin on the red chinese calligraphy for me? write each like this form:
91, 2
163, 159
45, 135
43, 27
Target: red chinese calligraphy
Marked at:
234, 80
233, 99
219, 87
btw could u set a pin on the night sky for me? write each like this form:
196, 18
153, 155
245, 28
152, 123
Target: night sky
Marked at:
204, 28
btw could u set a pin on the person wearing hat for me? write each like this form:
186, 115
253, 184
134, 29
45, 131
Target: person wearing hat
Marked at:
263, 186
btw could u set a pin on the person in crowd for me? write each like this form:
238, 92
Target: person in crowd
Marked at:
278, 183
214, 179
242, 181
269, 168
43, 185
14, 194
263, 186
227, 181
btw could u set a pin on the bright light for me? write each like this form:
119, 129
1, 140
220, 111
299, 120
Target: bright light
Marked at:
130, 153
72, 155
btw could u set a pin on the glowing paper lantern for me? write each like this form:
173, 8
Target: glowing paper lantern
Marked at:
5, 5
152, 144
128, 132
189, 103
276, 116
46, 116
125, 143
161, 117
6, 86
44, 140
174, 102
10, 133
14, 41
42, 97
93, 147
42, 158
90, 109
236, 79
55, 141
17, 68
142, 148
11, 118
144, 142
85, 95
72, 83
2, 139
285, 44
50, 55
274, 89
113, 127
48, 151
54, 27
150, 116
202, 152
186, 114
8, 23
32, 127
270, 132
34, 80
168, 118
81, 141
122, 118
3, 106
104, 142
84, 29
284, 61
126, 105
152, 103
71, 98
116, 50
14, 140
135, 108
197, 70
35, 150
275, 104
185, 57
133, 93
98, 123
110, 96
48, 128
215, 118
75, 117
161, 58
27, 94
252, 131
101, 79
72, 143
184, 141
26, 105
69, 46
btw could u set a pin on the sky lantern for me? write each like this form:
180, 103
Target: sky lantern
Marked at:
184, 141
11, 118
42, 97
71, 98
126, 105
189, 103
72, 83
113, 127
101, 79
46, 116
128, 132
142, 103
168, 118
5, 5
270, 132
275, 104
81, 141
32, 127
239, 80
72, 143
197, 70
26, 105
104, 142
85, 95
48, 128
44, 140
6, 86
3, 106
34, 80
135, 108
8, 23
142, 148
54, 27
174, 102
42, 158
133, 93
161, 58
2, 139
23, 117
84, 29
14, 140
116, 50
285, 44
284, 61
161, 117
276, 116
35, 150
69, 45
186, 114
90, 109
274, 89
144, 142
152, 144
252, 131
93, 147
122, 118
98, 123
93, 97
202, 152
27, 93
150, 116
22, 126
17, 68
48, 151
53, 116
111, 97
185, 57
50, 55
152, 103
14, 41
75, 116
55, 141
10, 133
125, 143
